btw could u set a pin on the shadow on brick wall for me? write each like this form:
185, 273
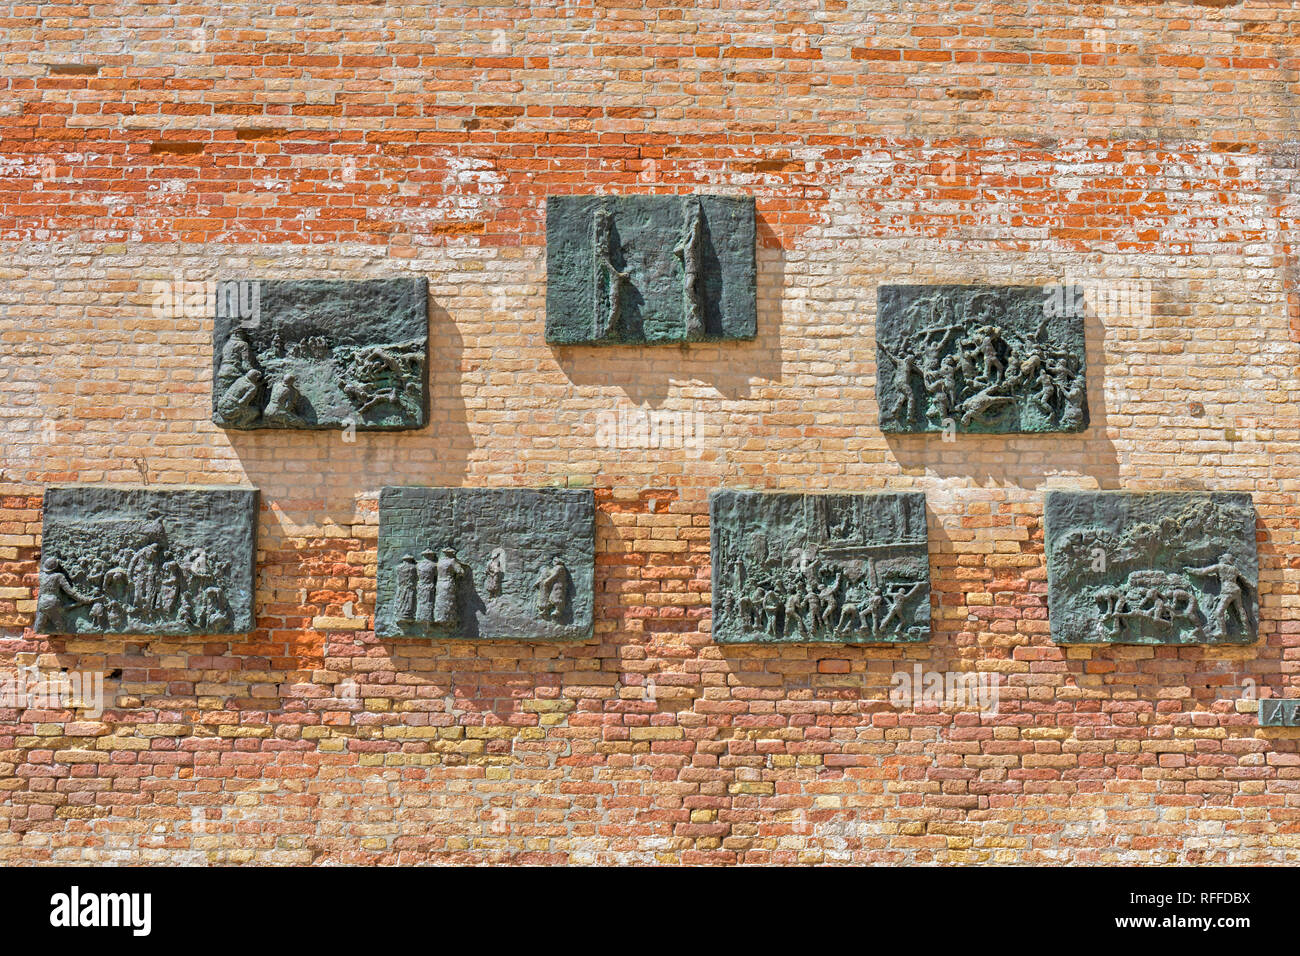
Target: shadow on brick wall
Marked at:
1026, 461
820, 676
316, 477
647, 373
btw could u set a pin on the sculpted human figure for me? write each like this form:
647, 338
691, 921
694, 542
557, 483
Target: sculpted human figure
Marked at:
404, 599
738, 575
986, 345
239, 405
982, 402
932, 348
827, 596
906, 371
1027, 369
236, 359
553, 590
848, 617
872, 602
216, 613
117, 583
282, 407
494, 579
745, 608
1231, 587
607, 304
900, 600
793, 614
426, 583
145, 572
1072, 414
1111, 604
446, 599
941, 383
812, 603
772, 604
55, 591
689, 250
169, 593
756, 598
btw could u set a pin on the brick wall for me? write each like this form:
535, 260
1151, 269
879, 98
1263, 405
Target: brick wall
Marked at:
1149, 152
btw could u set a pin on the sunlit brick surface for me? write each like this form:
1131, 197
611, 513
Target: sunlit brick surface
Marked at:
1150, 153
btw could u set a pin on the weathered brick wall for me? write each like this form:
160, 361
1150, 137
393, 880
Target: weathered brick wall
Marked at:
1147, 151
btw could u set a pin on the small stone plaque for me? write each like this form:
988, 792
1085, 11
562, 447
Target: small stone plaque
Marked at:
650, 269
321, 353
819, 568
1278, 712
980, 358
121, 559
1151, 567
486, 563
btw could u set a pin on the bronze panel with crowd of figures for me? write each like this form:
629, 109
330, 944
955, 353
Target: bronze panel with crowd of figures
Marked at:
135, 560
819, 568
980, 358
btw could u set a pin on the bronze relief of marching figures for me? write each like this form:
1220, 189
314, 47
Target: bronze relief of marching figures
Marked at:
513, 564
832, 568
119, 560
966, 358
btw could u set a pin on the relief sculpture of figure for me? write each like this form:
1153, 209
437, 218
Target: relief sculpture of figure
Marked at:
446, 599
690, 250
1072, 416
215, 613
827, 600
900, 599
55, 591
236, 359
282, 407
169, 591
745, 608
607, 304
1231, 588
404, 601
239, 405
794, 605
494, 579
986, 349
145, 572
553, 590
426, 583
906, 371
772, 604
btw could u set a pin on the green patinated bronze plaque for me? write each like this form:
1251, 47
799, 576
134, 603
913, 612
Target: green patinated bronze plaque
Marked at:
321, 353
1279, 712
823, 568
486, 563
135, 560
1151, 567
974, 358
649, 269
